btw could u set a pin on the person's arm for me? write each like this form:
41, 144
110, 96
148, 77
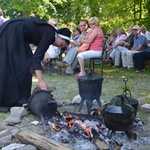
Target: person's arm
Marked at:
92, 37
139, 48
42, 83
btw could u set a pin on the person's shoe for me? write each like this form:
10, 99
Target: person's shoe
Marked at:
66, 74
124, 68
62, 64
115, 66
110, 64
130, 68
140, 71
4, 109
110, 60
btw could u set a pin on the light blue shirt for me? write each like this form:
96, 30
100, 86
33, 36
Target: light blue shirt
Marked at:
139, 40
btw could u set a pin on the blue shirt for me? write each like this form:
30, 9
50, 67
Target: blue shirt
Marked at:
139, 40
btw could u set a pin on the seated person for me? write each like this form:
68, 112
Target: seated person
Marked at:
111, 37
121, 35
126, 44
53, 51
140, 42
144, 32
95, 38
77, 34
70, 60
140, 58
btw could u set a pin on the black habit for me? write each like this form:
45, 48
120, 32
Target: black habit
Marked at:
16, 57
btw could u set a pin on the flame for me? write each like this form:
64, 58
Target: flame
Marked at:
98, 111
57, 128
87, 131
73, 123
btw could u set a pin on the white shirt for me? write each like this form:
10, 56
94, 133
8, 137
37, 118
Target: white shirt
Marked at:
2, 20
53, 51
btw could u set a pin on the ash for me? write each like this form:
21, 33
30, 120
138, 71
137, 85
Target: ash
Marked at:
77, 139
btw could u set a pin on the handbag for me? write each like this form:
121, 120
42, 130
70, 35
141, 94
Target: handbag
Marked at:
83, 47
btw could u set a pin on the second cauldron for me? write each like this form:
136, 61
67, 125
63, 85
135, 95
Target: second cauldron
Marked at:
118, 116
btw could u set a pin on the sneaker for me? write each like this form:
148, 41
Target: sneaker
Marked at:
62, 64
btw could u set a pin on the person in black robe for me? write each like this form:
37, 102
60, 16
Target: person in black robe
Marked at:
17, 59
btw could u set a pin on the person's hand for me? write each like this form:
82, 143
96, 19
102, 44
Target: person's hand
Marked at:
82, 41
43, 85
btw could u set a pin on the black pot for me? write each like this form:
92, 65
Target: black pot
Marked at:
127, 100
42, 103
90, 87
117, 115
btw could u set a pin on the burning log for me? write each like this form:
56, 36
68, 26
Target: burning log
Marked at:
41, 142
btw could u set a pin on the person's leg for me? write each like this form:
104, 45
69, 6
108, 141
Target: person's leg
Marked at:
119, 49
117, 58
86, 55
81, 63
112, 54
140, 59
124, 58
130, 62
72, 66
72, 53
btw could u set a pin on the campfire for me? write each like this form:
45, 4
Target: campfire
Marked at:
87, 130
109, 127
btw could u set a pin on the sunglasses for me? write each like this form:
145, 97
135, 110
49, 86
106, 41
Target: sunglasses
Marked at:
91, 24
83, 25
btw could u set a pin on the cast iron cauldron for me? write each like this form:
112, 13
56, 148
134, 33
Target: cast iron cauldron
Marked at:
118, 116
90, 87
128, 99
42, 103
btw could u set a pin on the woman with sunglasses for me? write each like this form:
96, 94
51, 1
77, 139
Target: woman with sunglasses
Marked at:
95, 38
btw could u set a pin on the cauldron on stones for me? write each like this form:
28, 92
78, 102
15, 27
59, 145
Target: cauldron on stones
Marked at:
42, 104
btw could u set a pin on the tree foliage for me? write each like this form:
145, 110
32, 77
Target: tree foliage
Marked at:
121, 13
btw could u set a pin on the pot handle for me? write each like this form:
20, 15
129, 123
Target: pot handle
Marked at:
124, 93
122, 99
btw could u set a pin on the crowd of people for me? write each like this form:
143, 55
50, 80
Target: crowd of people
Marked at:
131, 49
28, 42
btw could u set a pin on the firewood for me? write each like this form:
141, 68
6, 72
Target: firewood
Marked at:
101, 145
39, 141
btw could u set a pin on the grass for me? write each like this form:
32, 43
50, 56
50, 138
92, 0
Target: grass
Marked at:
113, 84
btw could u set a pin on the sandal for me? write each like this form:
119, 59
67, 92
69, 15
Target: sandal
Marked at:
4, 109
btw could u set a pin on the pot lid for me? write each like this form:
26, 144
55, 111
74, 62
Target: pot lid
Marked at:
124, 109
